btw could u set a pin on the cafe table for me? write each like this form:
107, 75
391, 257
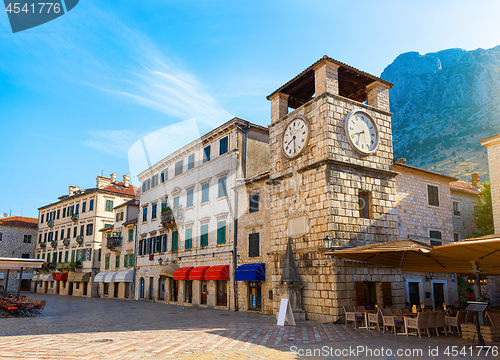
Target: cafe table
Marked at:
365, 313
406, 316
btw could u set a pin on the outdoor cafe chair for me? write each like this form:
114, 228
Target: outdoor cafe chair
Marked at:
375, 318
390, 321
440, 321
455, 321
431, 320
419, 323
352, 315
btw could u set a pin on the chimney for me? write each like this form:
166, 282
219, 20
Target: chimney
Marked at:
102, 182
476, 181
73, 189
113, 178
401, 161
126, 180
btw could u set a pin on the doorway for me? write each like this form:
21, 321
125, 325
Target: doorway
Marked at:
188, 291
70, 288
161, 288
174, 290
151, 287
127, 290
414, 293
58, 285
255, 295
84, 288
439, 295
46, 286
115, 290
221, 292
204, 292
141, 288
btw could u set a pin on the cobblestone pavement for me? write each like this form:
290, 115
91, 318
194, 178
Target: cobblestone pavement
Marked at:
85, 328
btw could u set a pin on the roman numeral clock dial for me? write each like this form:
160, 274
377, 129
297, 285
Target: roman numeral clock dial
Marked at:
296, 136
361, 132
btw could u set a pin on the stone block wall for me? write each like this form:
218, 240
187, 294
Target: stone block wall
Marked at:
464, 224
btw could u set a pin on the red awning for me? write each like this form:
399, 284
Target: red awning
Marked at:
183, 273
218, 272
60, 276
198, 273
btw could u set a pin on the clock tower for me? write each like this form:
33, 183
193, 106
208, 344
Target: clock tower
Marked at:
331, 175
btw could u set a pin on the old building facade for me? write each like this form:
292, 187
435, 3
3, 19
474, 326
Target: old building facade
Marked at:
68, 238
464, 197
117, 254
17, 240
186, 250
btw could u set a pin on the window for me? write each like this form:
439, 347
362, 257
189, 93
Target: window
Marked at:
117, 262
433, 194
64, 212
222, 187
58, 213
41, 220
125, 260
60, 256
223, 145
82, 229
68, 233
253, 245
38, 256
456, 208
364, 205
206, 154
45, 237
164, 246
77, 209
66, 256
189, 198
84, 208
131, 260
204, 235
106, 262
1, 237
130, 234
109, 205
178, 167
25, 256
75, 229
55, 235
164, 175
158, 243
434, 234
73, 254
90, 229
204, 192
39, 238
27, 239
456, 237
146, 185
190, 161
253, 203
175, 237
153, 211
221, 232
188, 243
140, 246
176, 202
91, 205
48, 257
154, 181
164, 205
144, 214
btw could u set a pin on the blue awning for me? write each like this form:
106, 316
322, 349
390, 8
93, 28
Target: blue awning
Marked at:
251, 272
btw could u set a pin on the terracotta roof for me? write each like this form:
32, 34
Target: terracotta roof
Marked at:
109, 227
464, 186
425, 171
134, 202
20, 222
121, 189
130, 222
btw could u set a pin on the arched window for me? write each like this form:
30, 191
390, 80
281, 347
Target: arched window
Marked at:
141, 288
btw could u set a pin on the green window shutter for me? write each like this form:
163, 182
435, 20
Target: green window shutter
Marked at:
130, 234
48, 257
175, 236
131, 260
66, 256
117, 262
165, 242
72, 255
189, 239
221, 232
106, 262
125, 260
204, 236
38, 256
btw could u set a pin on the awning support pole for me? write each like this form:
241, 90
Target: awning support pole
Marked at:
19, 283
477, 291
6, 283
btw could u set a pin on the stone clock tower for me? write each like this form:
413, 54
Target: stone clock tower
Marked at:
331, 175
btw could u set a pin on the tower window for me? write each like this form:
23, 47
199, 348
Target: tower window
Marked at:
364, 205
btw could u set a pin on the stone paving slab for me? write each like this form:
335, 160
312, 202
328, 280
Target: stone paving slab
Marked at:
83, 328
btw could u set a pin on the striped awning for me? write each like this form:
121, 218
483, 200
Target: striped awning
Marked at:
82, 277
71, 276
125, 276
218, 272
198, 273
169, 270
110, 277
100, 277
183, 273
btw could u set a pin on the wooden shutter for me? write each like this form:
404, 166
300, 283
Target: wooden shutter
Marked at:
386, 294
360, 293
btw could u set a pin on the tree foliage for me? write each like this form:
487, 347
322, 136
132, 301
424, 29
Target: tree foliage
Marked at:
483, 215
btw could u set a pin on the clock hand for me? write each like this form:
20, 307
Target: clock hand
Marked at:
291, 140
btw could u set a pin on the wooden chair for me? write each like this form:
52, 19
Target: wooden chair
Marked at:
375, 318
440, 322
431, 321
390, 321
419, 323
352, 315
455, 321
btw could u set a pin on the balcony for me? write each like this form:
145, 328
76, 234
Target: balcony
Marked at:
79, 239
69, 265
114, 241
66, 242
50, 223
43, 245
53, 243
169, 217
74, 217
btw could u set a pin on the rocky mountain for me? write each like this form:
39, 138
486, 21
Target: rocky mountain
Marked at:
443, 103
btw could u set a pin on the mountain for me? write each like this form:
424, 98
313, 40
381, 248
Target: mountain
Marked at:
443, 103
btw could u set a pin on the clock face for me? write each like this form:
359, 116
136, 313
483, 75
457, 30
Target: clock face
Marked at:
361, 132
296, 136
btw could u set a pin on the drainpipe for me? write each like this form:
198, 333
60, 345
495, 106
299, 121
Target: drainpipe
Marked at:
235, 247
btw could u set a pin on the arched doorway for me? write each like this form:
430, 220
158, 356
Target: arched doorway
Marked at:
141, 288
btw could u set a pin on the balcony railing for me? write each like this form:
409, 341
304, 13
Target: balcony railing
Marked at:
79, 239
169, 217
69, 265
74, 217
50, 223
114, 241
43, 245
53, 243
66, 242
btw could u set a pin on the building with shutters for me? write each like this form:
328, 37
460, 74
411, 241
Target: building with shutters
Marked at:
117, 253
186, 243
17, 240
68, 238
465, 197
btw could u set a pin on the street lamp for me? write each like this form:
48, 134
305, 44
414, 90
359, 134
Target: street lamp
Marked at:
328, 243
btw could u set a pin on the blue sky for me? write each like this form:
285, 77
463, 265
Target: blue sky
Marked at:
77, 92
